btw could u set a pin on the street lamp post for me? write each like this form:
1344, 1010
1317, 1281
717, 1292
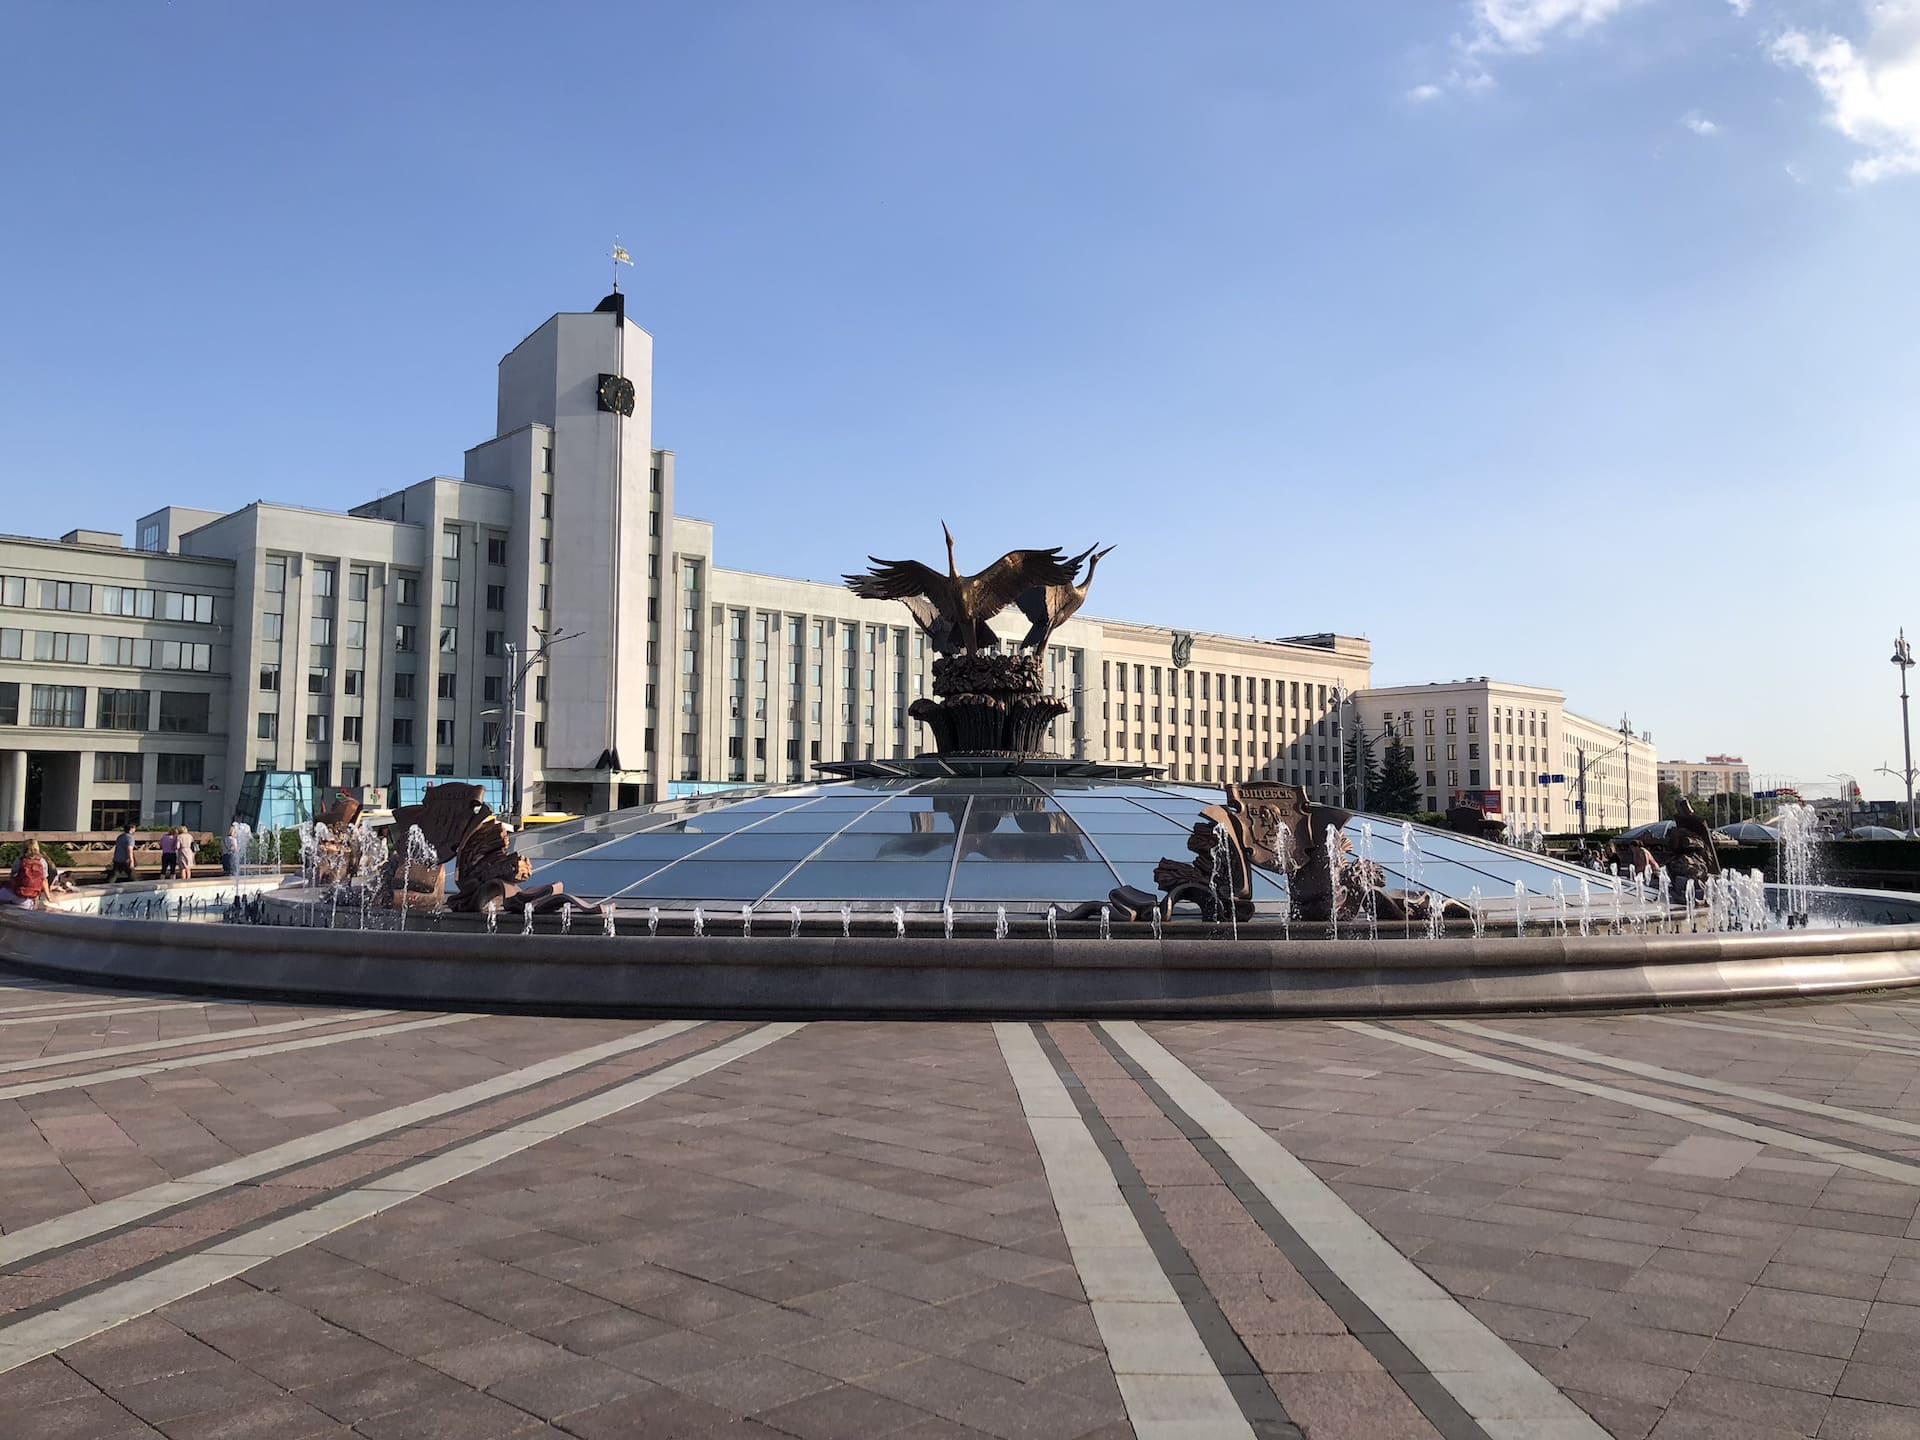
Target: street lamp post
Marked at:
1903, 658
516, 678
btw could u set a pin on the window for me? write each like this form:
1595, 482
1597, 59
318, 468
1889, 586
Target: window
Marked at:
270, 625
546, 513
115, 768
323, 581
450, 543
403, 685
182, 769
446, 688
356, 634
319, 680
59, 645
490, 735
65, 595
266, 726
491, 687
540, 734
350, 776
320, 630
122, 710
546, 552
9, 703
10, 644
496, 549
496, 597
355, 679
540, 687
402, 730
276, 581
405, 639
449, 592
409, 590
350, 729
179, 812
449, 639
443, 732
184, 712
496, 642
13, 590
357, 582
543, 597
112, 814
59, 706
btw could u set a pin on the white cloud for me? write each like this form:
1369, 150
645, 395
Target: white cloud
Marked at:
1741, 7
1873, 92
1520, 27
1514, 27
1699, 124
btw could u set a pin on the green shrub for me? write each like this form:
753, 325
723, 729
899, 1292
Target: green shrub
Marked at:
55, 852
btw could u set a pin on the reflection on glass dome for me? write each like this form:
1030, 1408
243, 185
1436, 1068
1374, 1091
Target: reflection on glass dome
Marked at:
975, 842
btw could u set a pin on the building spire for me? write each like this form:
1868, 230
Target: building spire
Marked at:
620, 257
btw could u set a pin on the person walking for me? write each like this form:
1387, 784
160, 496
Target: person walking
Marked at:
120, 868
169, 854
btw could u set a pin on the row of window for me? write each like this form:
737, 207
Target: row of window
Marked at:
62, 647
186, 607
112, 814
64, 707
120, 767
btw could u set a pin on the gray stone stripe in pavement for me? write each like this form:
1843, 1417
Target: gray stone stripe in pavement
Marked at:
34, 1241
1251, 1389
245, 1052
1169, 1383
1688, 1081
175, 1042
1443, 1412
37, 1014
1832, 1035
54, 1327
1507, 1398
1887, 1167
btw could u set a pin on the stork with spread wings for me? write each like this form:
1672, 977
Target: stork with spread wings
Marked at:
953, 609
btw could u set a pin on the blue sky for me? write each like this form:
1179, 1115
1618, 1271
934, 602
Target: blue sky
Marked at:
1566, 341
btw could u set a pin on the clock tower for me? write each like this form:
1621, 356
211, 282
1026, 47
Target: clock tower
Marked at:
593, 519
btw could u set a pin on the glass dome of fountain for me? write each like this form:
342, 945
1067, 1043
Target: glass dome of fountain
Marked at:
974, 841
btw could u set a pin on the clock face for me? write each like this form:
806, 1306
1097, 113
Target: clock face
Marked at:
616, 394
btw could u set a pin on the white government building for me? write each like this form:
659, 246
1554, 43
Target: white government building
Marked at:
143, 684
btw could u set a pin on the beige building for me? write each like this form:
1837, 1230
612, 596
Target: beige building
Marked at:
1704, 779
1518, 750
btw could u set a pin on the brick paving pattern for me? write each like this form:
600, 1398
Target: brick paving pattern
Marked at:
848, 1231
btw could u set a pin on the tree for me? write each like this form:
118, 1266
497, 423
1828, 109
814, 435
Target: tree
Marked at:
1363, 771
1399, 789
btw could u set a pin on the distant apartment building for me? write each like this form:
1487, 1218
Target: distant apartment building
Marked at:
1517, 751
1703, 779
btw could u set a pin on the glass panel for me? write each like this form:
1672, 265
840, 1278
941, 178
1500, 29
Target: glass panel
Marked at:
765, 844
1067, 884
885, 883
890, 845
697, 880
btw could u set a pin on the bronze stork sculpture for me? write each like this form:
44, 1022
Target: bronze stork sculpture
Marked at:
964, 603
1051, 606
985, 703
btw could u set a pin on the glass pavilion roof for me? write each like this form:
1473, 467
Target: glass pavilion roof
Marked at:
975, 842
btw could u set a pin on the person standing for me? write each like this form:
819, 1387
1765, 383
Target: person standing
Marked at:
183, 853
121, 866
230, 851
169, 854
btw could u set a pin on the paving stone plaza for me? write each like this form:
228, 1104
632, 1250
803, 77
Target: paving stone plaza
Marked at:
222, 1219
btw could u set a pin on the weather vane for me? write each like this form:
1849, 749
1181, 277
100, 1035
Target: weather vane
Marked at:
620, 257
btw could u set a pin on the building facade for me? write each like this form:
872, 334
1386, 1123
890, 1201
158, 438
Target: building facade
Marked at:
1704, 779
1518, 751
547, 616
